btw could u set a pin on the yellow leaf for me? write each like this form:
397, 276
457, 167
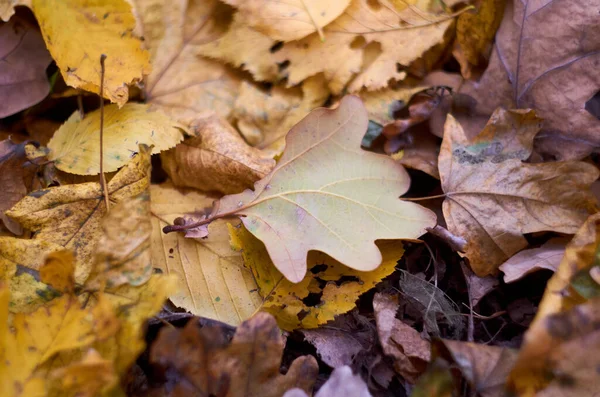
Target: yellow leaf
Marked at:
184, 85
77, 32
298, 207
382, 104
290, 20
58, 271
75, 146
123, 252
216, 159
89, 377
285, 300
211, 276
493, 198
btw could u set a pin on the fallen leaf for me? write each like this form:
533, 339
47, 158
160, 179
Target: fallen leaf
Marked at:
524, 73
479, 287
216, 159
364, 29
23, 68
382, 105
341, 383
75, 146
548, 256
7, 7
92, 376
291, 20
58, 271
288, 301
475, 33
418, 149
437, 381
410, 352
341, 212
77, 33
183, 84
335, 347
493, 198
69, 216
248, 366
123, 251
213, 282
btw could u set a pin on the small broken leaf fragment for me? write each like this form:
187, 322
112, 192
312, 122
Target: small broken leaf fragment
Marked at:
75, 146
77, 33
548, 256
493, 197
296, 208
58, 271
341, 383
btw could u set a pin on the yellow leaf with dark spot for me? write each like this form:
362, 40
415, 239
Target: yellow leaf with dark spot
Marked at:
58, 271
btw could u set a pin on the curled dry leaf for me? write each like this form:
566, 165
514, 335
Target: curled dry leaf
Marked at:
77, 33
183, 84
341, 383
216, 159
548, 256
410, 352
291, 20
286, 300
75, 146
23, 68
248, 366
341, 212
493, 198
364, 30
58, 271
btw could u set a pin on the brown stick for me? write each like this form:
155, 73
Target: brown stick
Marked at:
102, 177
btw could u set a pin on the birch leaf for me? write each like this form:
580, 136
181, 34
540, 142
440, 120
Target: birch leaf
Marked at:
297, 207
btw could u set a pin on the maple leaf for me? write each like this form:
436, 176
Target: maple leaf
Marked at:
291, 20
360, 31
23, 68
248, 366
183, 84
493, 198
548, 256
286, 300
341, 212
77, 33
75, 146
216, 159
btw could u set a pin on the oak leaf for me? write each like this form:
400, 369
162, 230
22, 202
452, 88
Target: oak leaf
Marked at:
493, 198
75, 146
286, 300
23, 68
292, 20
548, 256
77, 33
297, 208
215, 159
248, 366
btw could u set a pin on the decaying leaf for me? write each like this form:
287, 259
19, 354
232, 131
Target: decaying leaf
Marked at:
493, 198
341, 212
548, 256
287, 301
77, 33
212, 280
411, 353
58, 271
365, 30
341, 383
75, 146
23, 67
417, 149
183, 84
216, 159
69, 216
196, 358
335, 347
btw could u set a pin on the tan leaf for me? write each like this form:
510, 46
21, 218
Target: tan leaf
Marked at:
364, 29
183, 84
77, 33
75, 146
548, 256
216, 159
58, 271
7, 7
410, 352
341, 212
248, 366
382, 104
341, 383
212, 280
92, 376
291, 20
493, 198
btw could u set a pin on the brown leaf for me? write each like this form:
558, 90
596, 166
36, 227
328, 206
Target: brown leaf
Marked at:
58, 271
335, 347
404, 343
416, 148
493, 198
548, 256
23, 68
341, 383
199, 359
216, 159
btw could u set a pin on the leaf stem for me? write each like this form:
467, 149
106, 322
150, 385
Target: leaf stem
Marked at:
102, 177
181, 228
424, 198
